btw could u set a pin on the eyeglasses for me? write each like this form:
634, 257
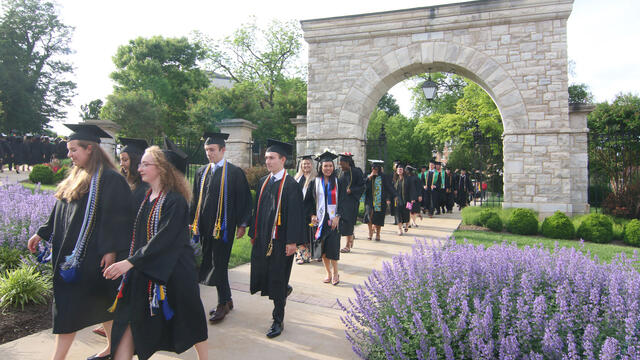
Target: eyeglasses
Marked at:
145, 164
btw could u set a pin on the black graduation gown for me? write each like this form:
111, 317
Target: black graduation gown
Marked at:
463, 186
417, 192
405, 192
353, 180
270, 274
216, 252
85, 302
388, 193
330, 238
166, 259
308, 231
138, 195
448, 190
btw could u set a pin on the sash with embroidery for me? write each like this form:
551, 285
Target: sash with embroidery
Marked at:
331, 202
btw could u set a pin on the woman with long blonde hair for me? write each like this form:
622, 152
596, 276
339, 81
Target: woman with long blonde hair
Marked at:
158, 305
306, 174
89, 225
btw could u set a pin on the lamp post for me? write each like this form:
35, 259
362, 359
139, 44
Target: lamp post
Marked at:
429, 88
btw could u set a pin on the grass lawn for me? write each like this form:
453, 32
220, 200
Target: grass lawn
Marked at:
605, 252
241, 251
32, 186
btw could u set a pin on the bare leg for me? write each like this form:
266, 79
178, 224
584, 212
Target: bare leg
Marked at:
327, 265
336, 277
377, 232
202, 348
107, 330
125, 347
370, 229
399, 228
63, 343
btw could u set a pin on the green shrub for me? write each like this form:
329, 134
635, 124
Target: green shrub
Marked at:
361, 209
494, 222
597, 228
523, 222
632, 232
485, 215
558, 226
471, 215
41, 174
10, 258
60, 174
22, 286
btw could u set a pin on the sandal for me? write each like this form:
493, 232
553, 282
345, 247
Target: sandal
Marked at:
326, 280
345, 250
300, 261
399, 233
377, 238
336, 280
405, 229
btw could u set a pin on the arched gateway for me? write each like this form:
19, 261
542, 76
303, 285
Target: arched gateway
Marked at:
515, 50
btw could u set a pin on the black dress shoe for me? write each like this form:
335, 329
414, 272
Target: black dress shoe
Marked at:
96, 357
289, 290
275, 330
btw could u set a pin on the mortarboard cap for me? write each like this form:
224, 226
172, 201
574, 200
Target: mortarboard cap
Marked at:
376, 163
409, 167
282, 148
437, 163
133, 146
432, 161
175, 156
326, 156
346, 157
306, 157
215, 138
87, 132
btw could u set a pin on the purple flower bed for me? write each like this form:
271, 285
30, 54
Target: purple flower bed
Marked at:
22, 212
461, 301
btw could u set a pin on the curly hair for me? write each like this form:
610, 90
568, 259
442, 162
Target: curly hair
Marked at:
171, 178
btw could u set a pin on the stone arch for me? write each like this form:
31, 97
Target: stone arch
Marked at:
396, 65
516, 51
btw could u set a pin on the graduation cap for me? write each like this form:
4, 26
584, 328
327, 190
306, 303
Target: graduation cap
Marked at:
133, 146
409, 167
282, 148
306, 157
376, 163
176, 157
215, 138
326, 156
87, 132
432, 161
346, 157
438, 163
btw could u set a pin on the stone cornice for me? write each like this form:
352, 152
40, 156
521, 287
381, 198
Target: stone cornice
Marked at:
548, 131
436, 18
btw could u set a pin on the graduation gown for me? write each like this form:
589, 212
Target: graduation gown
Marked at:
167, 259
216, 252
417, 192
329, 238
138, 195
353, 180
388, 193
270, 274
405, 193
85, 302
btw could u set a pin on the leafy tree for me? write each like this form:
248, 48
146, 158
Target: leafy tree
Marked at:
91, 111
389, 105
580, 94
137, 112
622, 115
33, 71
269, 88
164, 69
450, 90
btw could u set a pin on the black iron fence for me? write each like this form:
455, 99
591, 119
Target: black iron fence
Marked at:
614, 173
194, 149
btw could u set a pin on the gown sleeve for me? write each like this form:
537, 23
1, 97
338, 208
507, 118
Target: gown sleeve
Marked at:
357, 183
310, 201
252, 219
116, 219
46, 229
294, 213
241, 199
342, 194
196, 195
158, 256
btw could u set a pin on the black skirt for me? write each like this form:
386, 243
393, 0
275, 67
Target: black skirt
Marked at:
330, 243
402, 214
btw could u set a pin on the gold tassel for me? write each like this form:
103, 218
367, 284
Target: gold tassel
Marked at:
113, 307
270, 248
279, 219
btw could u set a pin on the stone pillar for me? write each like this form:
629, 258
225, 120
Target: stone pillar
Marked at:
109, 145
300, 122
238, 146
579, 157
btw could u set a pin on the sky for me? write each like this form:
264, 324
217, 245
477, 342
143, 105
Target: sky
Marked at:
602, 36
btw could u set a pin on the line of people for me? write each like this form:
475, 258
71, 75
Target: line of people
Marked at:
121, 243
22, 152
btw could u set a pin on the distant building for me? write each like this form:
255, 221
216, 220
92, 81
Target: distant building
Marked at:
219, 80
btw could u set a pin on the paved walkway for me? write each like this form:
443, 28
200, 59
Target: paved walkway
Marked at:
313, 329
10, 177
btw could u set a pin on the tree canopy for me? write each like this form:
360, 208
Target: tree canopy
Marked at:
34, 84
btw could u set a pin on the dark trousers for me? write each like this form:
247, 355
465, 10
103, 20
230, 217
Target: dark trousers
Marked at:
214, 270
449, 202
278, 309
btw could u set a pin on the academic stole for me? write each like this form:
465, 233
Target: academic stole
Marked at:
157, 293
70, 269
196, 219
332, 202
220, 224
277, 221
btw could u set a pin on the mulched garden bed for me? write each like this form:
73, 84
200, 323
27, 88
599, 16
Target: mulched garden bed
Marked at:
16, 323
